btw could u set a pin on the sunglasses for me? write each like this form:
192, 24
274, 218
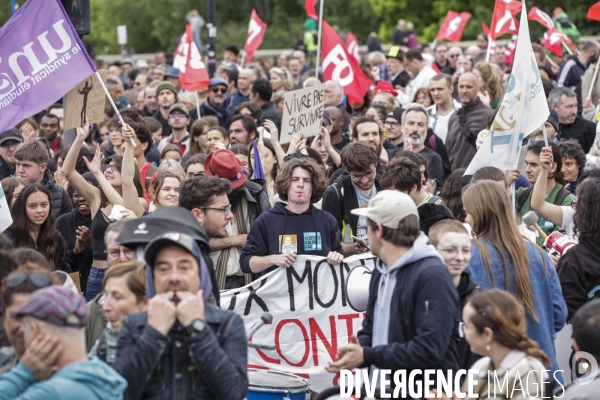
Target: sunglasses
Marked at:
177, 116
109, 167
217, 90
37, 279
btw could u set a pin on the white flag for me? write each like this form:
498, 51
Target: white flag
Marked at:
523, 109
5, 217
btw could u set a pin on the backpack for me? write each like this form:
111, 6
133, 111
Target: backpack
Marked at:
560, 197
432, 143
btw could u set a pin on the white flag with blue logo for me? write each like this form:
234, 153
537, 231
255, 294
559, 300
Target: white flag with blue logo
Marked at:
5, 217
523, 110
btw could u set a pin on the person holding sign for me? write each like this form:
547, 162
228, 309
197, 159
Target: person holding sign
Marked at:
279, 235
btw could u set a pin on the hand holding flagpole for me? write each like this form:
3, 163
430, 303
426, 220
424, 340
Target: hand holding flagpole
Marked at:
112, 103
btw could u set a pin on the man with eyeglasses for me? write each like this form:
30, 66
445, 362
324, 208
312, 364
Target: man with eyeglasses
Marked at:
10, 141
194, 167
393, 127
247, 200
16, 290
166, 95
179, 117
351, 190
453, 53
215, 104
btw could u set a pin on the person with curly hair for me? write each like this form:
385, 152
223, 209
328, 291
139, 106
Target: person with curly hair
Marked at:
578, 267
489, 84
573, 163
279, 235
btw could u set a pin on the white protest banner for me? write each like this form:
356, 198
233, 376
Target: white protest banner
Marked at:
86, 99
522, 111
302, 112
311, 316
122, 34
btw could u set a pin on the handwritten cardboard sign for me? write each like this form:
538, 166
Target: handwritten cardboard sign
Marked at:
87, 98
302, 112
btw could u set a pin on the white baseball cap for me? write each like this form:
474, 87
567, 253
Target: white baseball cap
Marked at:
388, 208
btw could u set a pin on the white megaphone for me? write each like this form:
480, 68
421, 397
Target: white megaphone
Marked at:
357, 287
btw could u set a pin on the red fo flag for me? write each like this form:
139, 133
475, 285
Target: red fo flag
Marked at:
594, 12
352, 46
503, 19
192, 72
535, 14
453, 26
339, 66
310, 9
254, 38
553, 40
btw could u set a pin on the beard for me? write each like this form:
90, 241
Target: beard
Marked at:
415, 141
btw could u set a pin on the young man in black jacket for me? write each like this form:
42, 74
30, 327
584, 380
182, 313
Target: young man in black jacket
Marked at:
413, 312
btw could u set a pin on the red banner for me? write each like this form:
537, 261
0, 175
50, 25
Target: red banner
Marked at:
352, 46
535, 14
594, 12
453, 26
254, 38
553, 40
310, 9
503, 19
192, 72
339, 66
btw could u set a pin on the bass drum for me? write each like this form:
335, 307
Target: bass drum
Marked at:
357, 287
274, 385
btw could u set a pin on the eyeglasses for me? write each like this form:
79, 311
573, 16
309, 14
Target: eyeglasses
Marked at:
111, 130
109, 167
191, 175
217, 90
12, 143
391, 124
37, 279
114, 254
224, 210
359, 177
455, 250
175, 116
453, 55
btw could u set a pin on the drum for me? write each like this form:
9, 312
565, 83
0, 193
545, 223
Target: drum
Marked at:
273, 385
357, 287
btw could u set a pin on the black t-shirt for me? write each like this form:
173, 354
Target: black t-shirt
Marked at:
342, 144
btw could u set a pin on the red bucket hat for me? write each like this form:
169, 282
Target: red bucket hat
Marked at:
383, 86
224, 164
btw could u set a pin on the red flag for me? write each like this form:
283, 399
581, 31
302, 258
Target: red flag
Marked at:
339, 66
192, 72
485, 28
486, 31
503, 18
535, 14
310, 9
511, 48
254, 38
453, 26
594, 12
352, 46
553, 40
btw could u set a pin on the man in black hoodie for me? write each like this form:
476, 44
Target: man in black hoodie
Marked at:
279, 235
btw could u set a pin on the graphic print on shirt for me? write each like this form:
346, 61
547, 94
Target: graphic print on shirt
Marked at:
288, 244
312, 241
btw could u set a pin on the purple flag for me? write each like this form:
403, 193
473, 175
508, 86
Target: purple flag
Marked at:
41, 59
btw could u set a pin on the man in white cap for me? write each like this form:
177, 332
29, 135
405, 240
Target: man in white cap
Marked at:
413, 311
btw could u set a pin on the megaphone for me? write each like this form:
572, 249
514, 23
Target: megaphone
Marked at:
357, 287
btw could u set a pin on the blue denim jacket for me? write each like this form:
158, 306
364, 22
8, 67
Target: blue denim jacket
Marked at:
210, 365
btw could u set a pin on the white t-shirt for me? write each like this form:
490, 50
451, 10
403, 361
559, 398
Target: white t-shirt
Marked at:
567, 221
441, 126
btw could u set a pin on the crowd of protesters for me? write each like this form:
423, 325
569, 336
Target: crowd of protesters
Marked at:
462, 281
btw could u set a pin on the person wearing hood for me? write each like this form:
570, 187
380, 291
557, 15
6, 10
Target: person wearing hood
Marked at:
304, 228
310, 35
55, 364
247, 201
215, 104
412, 315
452, 240
32, 165
183, 344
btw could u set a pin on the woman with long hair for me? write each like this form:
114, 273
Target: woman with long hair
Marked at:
34, 226
164, 190
119, 184
489, 84
494, 325
125, 288
502, 258
12, 186
578, 268
452, 193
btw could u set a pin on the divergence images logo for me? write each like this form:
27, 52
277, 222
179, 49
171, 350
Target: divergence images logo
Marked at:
586, 360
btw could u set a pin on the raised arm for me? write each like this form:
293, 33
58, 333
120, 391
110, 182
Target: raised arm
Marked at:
95, 167
550, 212
90, 193
333, 154
272, 128
130, 195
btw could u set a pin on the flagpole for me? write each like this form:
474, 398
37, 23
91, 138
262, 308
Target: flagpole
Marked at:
487, 54
514, 202
545, 136
319, 38
112, 103
433, 44
197, 103
567, 47
589, 96
243, 60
